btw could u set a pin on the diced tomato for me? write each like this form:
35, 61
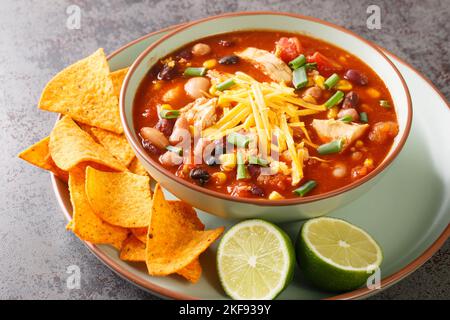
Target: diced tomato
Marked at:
324, 64
288, 48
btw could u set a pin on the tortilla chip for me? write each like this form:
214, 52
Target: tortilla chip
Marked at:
192, 272
140, 233
173, 243
115, 143
85, 223
137, 167
117, 79
39, 155
85, 92
132, 250
69, 146
119, 198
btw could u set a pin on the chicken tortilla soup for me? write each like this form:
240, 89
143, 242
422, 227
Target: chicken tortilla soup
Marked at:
265, 114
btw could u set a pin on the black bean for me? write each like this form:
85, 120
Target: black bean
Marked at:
254, 170
165, 126
151, 148
185, 54
167, 72
227, 60
199, 174
351, 100
356, 77
256, 191
226, 43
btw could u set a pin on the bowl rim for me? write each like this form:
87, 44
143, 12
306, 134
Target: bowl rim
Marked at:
137, 146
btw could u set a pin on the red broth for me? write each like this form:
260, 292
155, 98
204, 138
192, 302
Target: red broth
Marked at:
330, 171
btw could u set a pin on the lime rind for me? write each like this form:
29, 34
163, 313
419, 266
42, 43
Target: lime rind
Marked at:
259, 275
326, 273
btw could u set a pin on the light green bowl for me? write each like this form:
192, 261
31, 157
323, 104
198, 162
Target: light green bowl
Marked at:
241, 208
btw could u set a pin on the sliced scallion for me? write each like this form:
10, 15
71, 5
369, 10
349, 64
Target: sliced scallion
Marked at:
348, 118
177, 150
227, 84
363, 117
311, 66
239, 140
331, 81
331, 147
299, 78
305, 188
169, 114
385, 104
258, 161
297, 62
194, 72
334, 99
242, 172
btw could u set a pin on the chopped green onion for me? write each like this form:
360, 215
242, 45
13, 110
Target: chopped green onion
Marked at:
331, 147
331, 81
227, 84
169, 114
305, 188
311, 66
335, 99
241, 168
297, 62
177, 150
195, 72
239, 140
385, 104
363, 117
348, 118
299, 78
258, 161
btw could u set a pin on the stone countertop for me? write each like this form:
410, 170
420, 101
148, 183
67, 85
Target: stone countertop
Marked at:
35, 43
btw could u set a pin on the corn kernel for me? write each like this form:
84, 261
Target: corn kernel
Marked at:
166, 106
342, 59
319, 80
344, 85
359, 144
333, 112
373, 93
368, 163
227, 161
157, 85
275, 196
219, 178
209, 64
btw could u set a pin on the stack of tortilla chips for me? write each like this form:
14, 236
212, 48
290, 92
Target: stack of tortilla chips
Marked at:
109, 188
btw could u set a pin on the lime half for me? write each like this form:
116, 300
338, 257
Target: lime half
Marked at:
336, 255
255, 260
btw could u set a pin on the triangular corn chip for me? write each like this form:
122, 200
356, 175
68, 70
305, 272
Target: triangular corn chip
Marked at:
85, 92
69, 146
119, 198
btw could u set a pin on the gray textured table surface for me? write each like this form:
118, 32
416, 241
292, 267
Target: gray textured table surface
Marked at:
35, 250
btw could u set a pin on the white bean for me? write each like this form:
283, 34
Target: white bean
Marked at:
195, 87
339, 171
156, 137
200, 49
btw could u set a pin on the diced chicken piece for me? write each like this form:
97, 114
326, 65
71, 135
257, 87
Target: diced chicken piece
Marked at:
270, 64
201, 112
329, 130
217, 76
382, 131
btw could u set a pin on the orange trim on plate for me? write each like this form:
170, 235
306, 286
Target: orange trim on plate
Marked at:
360, 293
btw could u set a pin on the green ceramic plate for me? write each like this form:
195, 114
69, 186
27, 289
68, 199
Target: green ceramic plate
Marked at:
407, 212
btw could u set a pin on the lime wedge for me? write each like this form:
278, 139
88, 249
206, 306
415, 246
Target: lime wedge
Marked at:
336, 255
255, 260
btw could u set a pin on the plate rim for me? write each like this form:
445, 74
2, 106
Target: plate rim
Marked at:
168, 293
